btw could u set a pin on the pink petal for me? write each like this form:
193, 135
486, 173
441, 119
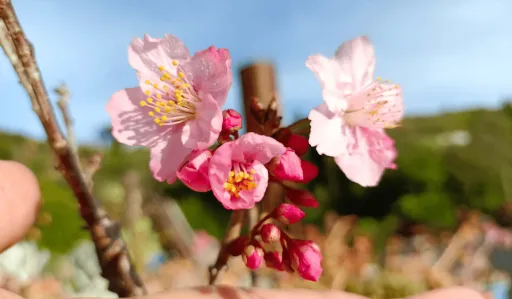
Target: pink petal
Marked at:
356, 59
211, 70
194, 174
373, 154
327, 71
220, 165
146, 55
251, 197
204, 130
327, 132
167, 158
255, 147
130, 123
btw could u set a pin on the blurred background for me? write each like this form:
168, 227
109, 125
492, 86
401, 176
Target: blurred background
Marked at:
449, 202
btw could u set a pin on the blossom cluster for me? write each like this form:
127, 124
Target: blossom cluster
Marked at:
176, 112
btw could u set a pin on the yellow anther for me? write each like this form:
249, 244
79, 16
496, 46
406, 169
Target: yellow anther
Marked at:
167, 109
175, 63
161, 68
164, 118
142, 103
151, 113
185, 85
148, 82
157, 109
238, 181
167, 76
157, 120
162, 79
378, 79
165, 87
170, 102
253, 171
150, 100
181, 74
155, 85
147, 92
158, 95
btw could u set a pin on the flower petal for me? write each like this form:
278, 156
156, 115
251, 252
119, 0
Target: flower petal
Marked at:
248, 198
255, 147
220, 166
204, 130
356, 59
148, 54
327, 71
130, 123
327, 132
211, 70
366, 164
194, 174
167, 158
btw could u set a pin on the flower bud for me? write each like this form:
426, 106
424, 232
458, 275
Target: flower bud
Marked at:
194, 174
288, 167
252, 257
231, 120
301, 198
298, 143
306, 259
270, 233
288, 213
309, 170
274, 260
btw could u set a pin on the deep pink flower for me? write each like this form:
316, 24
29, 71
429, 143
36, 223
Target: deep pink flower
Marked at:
288, 213
177, 107
237, 170
252, 257
309, 170
298, 143
306, 258
231, 120
301, 198
354, 106
270, 233
194, 174
288, 167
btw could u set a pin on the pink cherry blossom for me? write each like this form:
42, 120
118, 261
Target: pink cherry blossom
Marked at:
177, 107
238, 176
194, 174
355, 106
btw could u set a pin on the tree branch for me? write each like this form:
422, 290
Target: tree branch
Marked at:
112, 253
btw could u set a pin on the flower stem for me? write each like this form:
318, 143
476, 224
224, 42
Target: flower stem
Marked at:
232, 232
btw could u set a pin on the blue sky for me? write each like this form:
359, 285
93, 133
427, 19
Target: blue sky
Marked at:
447, 55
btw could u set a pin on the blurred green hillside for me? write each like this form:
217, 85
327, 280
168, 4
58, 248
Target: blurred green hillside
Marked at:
446, 162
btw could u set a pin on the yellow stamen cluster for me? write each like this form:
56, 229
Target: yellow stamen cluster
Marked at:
239, 181
170, 98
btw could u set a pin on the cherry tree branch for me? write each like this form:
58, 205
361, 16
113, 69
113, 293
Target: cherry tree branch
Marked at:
115, 262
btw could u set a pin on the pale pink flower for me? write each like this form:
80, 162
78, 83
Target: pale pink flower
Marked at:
194, 174
177, 107
355, 106
237, 170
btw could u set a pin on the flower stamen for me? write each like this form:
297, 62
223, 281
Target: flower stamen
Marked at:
240, 179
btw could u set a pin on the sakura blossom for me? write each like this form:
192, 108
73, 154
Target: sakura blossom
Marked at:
238, 175
176, 108
350, 124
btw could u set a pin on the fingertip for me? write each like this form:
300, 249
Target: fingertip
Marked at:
451, 292
20, 197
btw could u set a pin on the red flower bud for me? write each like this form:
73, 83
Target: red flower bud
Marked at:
306, 259
288, 167
231, 120
298, 143
270, 233
301, 198
288, 214
309, 170
252, 257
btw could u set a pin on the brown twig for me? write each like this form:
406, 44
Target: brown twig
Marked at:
62, 103
233, 231
112, 253
90, 168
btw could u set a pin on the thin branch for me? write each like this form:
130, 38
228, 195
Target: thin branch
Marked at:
62, 103
252, 220
232, 232
113, 256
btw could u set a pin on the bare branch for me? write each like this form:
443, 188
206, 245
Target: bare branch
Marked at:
64, 96
114, 259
